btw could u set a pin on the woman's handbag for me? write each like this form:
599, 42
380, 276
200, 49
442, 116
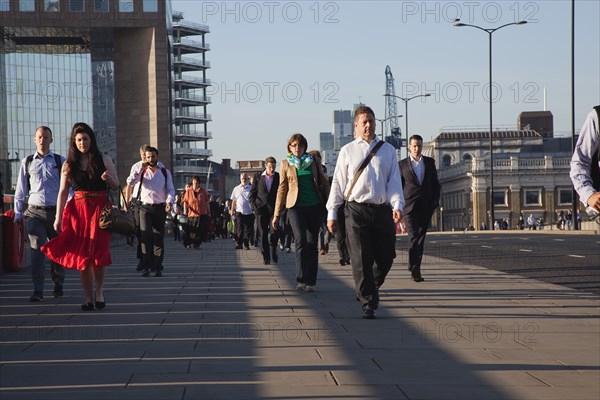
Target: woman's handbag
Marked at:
116, 219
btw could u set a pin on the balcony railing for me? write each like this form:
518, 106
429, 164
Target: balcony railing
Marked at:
191, 43
185, 152
192, 98
192, 80
193, 134
512, 165
192, 61
186, 114
190, 25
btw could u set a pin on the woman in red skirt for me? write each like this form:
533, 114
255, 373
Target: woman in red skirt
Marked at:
81, 244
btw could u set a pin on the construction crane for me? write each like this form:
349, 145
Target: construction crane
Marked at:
391, 128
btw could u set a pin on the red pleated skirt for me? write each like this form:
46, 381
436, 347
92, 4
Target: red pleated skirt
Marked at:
81, 242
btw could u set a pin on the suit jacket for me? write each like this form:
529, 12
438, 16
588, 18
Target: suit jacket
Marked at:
261, 199
424, 197
287, 193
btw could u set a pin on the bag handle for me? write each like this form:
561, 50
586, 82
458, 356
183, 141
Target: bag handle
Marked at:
110, 197
362, 167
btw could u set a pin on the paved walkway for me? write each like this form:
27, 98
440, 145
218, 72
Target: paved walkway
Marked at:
221, 325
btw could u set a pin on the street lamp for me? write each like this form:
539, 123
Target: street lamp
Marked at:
382, 122
406, 100
490, 31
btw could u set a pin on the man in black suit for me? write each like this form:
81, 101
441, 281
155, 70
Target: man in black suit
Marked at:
262, 198
422, 196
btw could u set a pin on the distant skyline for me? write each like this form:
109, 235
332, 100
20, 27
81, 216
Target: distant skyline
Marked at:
281, 67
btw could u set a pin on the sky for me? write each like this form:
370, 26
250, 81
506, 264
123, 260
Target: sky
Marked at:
282, 67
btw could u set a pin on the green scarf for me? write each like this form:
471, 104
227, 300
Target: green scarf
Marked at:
301, 163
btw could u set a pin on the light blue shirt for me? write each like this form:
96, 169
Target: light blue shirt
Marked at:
581, 162
418, 168
44, 180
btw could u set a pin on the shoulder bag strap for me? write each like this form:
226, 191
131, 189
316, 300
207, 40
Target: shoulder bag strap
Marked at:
363, 166
140, 187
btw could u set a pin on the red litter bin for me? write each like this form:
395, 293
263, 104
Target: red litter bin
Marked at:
13, 242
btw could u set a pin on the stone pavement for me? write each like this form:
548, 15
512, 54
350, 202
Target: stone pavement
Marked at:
221, 325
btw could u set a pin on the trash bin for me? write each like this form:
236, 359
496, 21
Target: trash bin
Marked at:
13, 242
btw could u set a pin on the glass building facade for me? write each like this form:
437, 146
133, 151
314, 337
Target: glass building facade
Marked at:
126, 67
55, 85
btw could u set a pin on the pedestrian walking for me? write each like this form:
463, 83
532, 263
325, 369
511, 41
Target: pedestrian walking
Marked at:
367, 178
39, 180
81, 244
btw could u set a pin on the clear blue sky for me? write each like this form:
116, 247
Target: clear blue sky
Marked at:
280, 67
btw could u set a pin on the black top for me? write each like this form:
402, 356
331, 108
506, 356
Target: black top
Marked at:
82, 181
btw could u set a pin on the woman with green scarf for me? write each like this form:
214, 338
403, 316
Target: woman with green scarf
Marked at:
302, 190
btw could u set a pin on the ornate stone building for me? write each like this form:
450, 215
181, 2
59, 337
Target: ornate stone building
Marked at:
531, 176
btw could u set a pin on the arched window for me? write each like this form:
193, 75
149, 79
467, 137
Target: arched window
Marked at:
446, 160
467, 158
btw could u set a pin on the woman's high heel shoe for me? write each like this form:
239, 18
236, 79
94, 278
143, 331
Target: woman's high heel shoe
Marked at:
87, 307
100, 305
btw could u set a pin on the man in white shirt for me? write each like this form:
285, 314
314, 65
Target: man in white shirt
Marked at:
242, 212
156, 196
372, 208
132, 193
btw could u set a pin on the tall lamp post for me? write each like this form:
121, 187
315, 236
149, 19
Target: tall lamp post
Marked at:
406, 100
490, 31
382, 122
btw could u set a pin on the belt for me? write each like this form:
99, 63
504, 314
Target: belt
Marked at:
370, 205
44, 208
87, 195
154, 205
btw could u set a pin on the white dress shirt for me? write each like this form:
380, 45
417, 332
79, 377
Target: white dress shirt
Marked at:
241, 195
154, 188
379, 183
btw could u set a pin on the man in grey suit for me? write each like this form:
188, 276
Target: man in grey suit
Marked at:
422, 196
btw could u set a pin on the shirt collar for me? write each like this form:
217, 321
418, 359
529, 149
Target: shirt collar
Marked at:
361, 140
415, 161
37, 155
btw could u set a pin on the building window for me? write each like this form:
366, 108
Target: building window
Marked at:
565, 197
150, 5
125, 5
532, 197
26, 5
101, 5
4, 5
500, 198
76, 6
446, 160
51, 5
467, 158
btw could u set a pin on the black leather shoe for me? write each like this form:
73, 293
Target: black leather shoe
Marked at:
416, 275
87, 307
158, 274
368, 312
238, 247
36, 297
146, 273
100, 305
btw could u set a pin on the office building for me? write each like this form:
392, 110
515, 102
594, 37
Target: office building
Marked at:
126, 67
